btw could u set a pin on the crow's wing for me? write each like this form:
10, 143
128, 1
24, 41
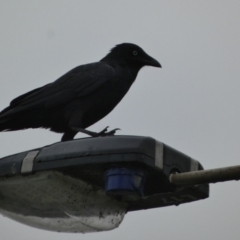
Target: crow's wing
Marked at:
77, 83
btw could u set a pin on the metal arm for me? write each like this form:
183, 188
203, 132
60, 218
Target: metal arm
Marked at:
206, 176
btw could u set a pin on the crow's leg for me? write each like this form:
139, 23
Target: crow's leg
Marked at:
75, 125
102, 133
68, 135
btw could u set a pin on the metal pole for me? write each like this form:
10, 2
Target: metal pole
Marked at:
206, 176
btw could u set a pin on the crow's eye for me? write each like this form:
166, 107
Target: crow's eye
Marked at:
135, 53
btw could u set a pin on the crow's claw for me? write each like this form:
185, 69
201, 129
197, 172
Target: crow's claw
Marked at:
104, 132
112, 132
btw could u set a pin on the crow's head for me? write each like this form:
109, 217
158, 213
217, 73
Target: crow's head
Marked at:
131, 54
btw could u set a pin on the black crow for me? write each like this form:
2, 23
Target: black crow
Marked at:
79, 98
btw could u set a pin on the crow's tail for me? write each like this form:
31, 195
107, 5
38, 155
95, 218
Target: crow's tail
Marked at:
21, 118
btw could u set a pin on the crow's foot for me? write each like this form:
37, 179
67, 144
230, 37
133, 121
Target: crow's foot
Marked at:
105, 133
102, 133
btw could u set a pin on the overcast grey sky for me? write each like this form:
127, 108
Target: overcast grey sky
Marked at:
192, 103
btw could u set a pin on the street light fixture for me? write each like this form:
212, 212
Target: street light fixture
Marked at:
88, 185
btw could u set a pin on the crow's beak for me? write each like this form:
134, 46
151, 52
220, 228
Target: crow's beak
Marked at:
154, 63
149, 61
